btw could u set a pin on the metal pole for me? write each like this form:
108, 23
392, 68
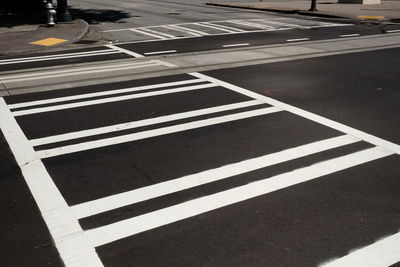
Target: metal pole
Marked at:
63, 11
313, 5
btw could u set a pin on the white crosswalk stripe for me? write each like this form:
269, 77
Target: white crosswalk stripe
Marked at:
222, 27
85, 241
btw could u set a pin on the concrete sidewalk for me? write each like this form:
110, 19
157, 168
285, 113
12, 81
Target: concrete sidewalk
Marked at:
387, 10
34, 37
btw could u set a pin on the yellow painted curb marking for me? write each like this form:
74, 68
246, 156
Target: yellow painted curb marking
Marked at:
371, 17
49, 41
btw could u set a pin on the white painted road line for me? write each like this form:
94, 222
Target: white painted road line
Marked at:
111, 99
187, 30
297, 40
162, 34
147, 33
112, 232
125, 51
160, 52
152, 133
55, 57
392, 31
236, 45
217, 27
103, 93
350, 35
168, 187
383, 253
65, 230
141, 123
78, 71
305, 114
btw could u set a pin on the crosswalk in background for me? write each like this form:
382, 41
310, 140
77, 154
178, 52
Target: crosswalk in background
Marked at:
111, 166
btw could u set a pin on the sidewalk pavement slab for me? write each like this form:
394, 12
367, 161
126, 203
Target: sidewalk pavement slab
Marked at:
29, 38
387, 10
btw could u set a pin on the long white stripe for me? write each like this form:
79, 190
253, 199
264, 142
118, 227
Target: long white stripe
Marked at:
382, 253
108, 52
158, 32
223, 27
251, 24
190, 31
111, 99
109, 233
102, 93
57, 55
77, 71
160, 52
215, 27
65, 230
305, 114
279, 23
147, 33
141, 123
125, 51
298, 39
152, 133
236, 45
145, 193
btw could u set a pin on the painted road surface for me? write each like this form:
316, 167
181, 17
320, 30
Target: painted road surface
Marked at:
193, 170
216, 35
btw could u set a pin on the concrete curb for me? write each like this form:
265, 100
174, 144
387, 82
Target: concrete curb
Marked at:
11, 48
285, 11
303, 12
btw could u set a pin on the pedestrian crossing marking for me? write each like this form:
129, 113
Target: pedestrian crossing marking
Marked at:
77, 247
49, 41
221, 27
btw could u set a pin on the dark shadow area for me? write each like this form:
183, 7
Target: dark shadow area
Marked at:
95, 16
31, 12
21, 12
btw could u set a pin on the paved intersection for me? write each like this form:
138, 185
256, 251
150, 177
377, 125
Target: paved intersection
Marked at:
184, 167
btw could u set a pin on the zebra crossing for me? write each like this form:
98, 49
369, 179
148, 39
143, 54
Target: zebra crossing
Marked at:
120, 122
223, 27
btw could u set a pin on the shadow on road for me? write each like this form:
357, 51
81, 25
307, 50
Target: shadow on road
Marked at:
95, 16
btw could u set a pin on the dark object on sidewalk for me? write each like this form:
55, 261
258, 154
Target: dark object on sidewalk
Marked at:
63, 13
313, 5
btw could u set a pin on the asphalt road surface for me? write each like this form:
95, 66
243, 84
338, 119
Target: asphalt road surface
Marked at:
290, 163
284, 164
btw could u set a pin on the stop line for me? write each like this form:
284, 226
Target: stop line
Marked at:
78, 246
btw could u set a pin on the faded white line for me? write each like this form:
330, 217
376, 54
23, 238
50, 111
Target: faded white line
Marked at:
141, 123
152, 133
102, 93
391, 31
112, 232
297, 40
125, 51
252, 24
65, 230
305, 114
158, 32
105, 52
160, 52
223, 27
111, 99
350, 35
383, 253
78, 71
145, 193
236, 45
186, 30
148, 33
